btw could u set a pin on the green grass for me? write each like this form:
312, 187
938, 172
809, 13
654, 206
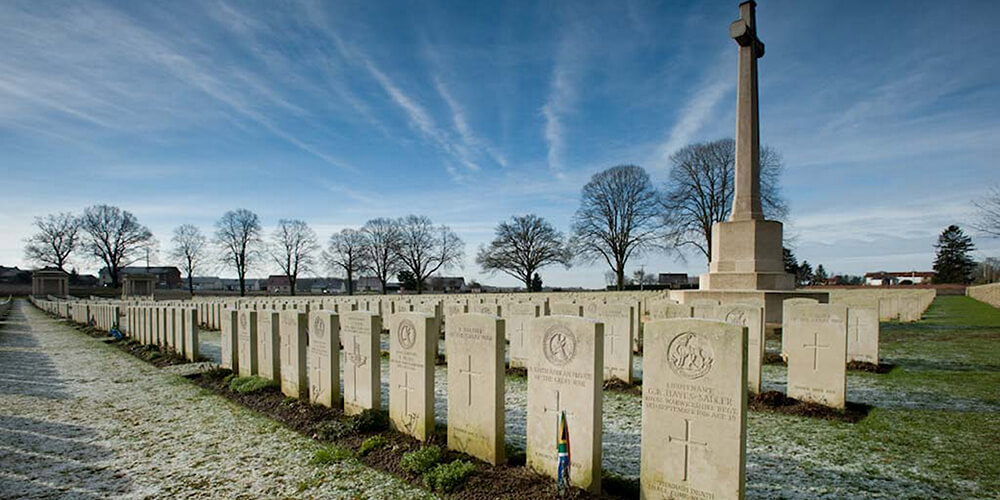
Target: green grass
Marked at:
961, 311
372, 443
245, 385
953, 352
330, 454
420, 461
447, 477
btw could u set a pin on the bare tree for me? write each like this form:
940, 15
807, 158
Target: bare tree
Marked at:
348, 252
188, 251
699, 192
57, 238
238, 234
522, 246
424, 249
294, 244
988, 209
641, 277
617, 218
115, 237
381, 249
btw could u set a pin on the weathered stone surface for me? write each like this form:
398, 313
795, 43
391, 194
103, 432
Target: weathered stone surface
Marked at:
618, 334
670, 311
753, 318
293, 336
565, 309
785, 304
412, 350
247, 341
360, 331
268, 344
817, 353
565, 374
191, 334
228, 340
324, 358
519, 317
475, 344
703, 308
694, 410
862, 334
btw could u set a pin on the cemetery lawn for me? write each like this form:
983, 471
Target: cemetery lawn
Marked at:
932, 431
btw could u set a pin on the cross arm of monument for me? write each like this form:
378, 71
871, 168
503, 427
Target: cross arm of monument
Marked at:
743, 29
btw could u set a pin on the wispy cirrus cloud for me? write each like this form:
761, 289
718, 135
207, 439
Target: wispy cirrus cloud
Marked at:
561, 102
699, 109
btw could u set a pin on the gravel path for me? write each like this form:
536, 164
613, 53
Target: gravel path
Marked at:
81, 419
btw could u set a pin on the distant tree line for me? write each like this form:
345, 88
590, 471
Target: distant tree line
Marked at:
621, 216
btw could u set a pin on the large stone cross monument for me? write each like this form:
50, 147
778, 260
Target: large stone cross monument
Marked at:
747, 249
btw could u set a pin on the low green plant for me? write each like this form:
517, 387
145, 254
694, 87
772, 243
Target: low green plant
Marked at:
372, 443
371, 420
333, 430
330, 454
446, 477
420, 461
247, 385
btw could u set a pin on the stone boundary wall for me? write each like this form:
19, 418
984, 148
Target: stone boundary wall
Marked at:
989, 294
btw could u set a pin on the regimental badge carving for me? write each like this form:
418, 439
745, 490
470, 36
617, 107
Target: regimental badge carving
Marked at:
407, 334
319, 328
243, 320
560, 345
737, 317
690, 355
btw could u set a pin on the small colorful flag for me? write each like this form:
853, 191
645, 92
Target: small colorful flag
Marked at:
562, 448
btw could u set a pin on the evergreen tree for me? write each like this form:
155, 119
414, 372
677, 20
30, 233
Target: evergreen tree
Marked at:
536, 283
804, 273
820, 277
407, 280
953, 263
791, 264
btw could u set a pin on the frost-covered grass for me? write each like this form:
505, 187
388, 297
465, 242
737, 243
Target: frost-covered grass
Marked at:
931, 433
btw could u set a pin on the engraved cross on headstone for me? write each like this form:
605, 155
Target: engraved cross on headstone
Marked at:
611, 336
469, 373
815, 346
557, 409
746, 199
405, 386
687, 442
357, 361
857, 328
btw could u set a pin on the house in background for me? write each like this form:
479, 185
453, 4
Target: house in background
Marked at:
207, 283
883, 278
446, 284
166, 276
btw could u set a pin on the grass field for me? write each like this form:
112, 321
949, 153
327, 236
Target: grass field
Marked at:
934, 431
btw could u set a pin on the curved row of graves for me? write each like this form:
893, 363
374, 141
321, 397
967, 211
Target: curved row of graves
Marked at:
700, 362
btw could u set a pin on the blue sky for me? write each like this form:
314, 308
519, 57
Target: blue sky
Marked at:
469, 112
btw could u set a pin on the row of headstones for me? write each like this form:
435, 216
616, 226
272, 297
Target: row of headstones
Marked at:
819, 340
989, 294
892, 304
173, 327
168, 326
694, 390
